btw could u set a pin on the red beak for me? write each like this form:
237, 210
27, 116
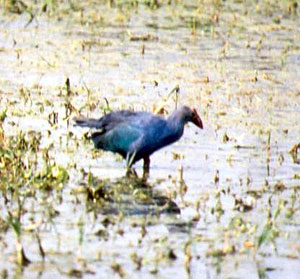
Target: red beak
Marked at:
197, 120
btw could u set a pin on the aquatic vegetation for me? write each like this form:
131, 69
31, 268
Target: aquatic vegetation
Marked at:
222, 204
20, 179
19, 165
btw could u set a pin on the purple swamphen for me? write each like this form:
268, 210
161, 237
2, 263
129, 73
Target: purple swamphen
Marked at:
136, 135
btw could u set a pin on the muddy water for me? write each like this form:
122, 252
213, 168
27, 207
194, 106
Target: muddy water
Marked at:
230, 181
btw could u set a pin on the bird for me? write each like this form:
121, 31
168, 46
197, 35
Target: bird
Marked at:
137, 135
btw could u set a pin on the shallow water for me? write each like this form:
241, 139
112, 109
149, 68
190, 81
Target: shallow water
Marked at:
242, 75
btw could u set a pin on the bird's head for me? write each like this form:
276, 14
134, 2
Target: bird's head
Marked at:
191, 115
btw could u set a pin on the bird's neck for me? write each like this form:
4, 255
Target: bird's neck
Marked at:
176, 123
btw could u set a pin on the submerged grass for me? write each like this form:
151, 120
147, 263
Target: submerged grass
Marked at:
127, 195
19, 165
245, 209
22, 178
197, 15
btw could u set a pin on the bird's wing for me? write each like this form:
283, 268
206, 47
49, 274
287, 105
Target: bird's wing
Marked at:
154, 135
118, 139
106, 122
112, 120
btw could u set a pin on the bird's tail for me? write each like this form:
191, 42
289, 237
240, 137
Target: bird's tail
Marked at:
87, 122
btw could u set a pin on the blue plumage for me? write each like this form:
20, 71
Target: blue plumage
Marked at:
138, 134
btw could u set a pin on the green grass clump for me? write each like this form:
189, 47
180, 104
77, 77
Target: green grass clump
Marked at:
19, 167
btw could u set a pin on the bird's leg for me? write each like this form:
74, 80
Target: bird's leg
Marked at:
146, 167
